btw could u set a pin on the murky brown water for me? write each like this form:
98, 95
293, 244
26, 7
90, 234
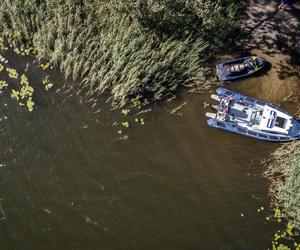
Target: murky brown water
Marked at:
68, 182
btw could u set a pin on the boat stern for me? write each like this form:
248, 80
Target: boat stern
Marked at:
212, 123
220, 72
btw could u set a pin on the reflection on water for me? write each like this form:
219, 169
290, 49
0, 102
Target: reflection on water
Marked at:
69, 182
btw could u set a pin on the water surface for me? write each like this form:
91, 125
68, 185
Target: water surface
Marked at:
70, 182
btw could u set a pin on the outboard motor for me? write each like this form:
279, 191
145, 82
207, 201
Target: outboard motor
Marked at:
217, 107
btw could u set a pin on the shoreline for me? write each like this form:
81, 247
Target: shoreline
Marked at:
273, 34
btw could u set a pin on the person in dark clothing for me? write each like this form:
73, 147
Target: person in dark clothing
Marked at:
283, 4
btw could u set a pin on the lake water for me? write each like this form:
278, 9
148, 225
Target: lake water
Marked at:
68, 181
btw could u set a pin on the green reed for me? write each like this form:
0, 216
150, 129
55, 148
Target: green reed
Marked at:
135, 48
284, 172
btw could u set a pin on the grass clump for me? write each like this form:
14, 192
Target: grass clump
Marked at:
135, 48
284, 173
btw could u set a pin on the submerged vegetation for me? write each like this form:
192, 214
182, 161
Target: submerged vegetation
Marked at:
284, 172
136, 48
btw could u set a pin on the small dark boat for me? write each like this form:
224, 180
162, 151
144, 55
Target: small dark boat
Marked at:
240, 67
247, 116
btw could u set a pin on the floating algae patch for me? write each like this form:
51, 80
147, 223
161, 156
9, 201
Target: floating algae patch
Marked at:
18, 84
3, 84
133, 116
126, 124
125, 111
286, 236
47, 84
23, 51
12, 73
3, 60
24, 94
133, 119
45, 66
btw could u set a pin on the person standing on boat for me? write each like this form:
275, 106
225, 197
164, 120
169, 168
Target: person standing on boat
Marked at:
283, 4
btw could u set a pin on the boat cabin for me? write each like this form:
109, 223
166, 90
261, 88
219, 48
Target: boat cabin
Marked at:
275, 121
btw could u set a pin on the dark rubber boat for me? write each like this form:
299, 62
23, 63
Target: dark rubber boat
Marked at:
240, 67
247, 116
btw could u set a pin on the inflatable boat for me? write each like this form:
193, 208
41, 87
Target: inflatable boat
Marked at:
248, 116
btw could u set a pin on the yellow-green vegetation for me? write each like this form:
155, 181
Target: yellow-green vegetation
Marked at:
260, 209
22, 50
24, 94
281, 236
12, 73
3, 84
2, 45
23, 91
125, 124
129, 123
287, 235
47, 84
283, 171
125, 111
45, 66
3, 59
133, 48
136, 103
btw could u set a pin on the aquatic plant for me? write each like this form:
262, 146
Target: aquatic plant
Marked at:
125, 111
15, 94
12, 73
45, 66
3, 60
286, 235
3, 84
47, 84
283, 170
125, 124
22, 92
136, 48
30, 104
25, 93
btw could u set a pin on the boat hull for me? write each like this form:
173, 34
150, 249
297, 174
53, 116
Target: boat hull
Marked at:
249, 133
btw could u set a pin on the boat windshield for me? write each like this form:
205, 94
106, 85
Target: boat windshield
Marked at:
256, 117
252, 63
256, 62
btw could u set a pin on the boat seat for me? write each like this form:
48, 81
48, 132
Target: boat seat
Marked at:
237, 68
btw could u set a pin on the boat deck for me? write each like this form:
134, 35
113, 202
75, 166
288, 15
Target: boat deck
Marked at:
240, 113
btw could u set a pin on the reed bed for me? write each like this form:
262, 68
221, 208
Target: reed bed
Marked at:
284, 172
130, 49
